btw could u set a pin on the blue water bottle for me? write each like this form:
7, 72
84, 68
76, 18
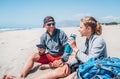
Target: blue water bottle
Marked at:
68, 49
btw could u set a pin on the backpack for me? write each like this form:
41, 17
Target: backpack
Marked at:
107, 68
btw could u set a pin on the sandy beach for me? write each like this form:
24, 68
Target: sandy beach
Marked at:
16, 46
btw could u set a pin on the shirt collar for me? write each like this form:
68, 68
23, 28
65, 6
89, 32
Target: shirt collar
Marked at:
54, 32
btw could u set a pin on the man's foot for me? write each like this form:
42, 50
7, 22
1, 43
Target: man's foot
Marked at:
4, 76
11, 77
8, 77
44, 66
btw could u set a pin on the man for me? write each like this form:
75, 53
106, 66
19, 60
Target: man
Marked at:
53, 40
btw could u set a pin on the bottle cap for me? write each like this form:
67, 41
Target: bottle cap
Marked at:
73, 35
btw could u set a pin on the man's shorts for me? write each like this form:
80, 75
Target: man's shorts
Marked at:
47, 58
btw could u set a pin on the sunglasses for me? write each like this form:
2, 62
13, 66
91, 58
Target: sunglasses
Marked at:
53, 24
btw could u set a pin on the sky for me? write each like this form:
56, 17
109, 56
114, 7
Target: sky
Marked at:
32, 12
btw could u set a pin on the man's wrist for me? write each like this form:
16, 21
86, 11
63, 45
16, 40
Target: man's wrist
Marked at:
63, 60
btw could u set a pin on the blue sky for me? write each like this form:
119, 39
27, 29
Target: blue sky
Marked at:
27, 12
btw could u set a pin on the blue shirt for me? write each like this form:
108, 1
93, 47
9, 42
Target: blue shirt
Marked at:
94, 47
55, 43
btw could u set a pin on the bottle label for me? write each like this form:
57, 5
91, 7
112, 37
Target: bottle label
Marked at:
68, 49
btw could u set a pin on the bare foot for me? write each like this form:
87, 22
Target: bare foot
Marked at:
8, 77
4, 76
44, 66
11, 77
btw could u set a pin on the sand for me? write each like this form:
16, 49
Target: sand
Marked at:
16, 46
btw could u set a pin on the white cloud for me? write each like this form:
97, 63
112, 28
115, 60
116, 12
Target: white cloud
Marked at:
80, 15
111, 18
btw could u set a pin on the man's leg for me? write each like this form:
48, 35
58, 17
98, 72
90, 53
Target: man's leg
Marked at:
26, 68
29, 64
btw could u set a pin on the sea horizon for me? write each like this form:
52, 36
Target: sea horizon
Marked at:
13, 27
10, 27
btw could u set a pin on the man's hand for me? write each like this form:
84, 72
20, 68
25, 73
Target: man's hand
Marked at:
41, 51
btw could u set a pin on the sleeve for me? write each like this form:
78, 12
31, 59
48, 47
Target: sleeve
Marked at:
97, 49
72, 61
65, 57
42, 40
63, 38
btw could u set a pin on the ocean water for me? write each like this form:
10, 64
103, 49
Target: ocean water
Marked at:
12, 27
17, 27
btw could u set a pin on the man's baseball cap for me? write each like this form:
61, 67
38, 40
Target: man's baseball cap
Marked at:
48, 20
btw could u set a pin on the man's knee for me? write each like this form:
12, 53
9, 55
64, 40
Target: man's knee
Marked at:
35, 56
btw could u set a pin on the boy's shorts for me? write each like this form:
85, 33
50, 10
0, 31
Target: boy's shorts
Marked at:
47, 58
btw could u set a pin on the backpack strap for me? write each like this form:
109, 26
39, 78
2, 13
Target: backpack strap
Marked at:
99, 68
